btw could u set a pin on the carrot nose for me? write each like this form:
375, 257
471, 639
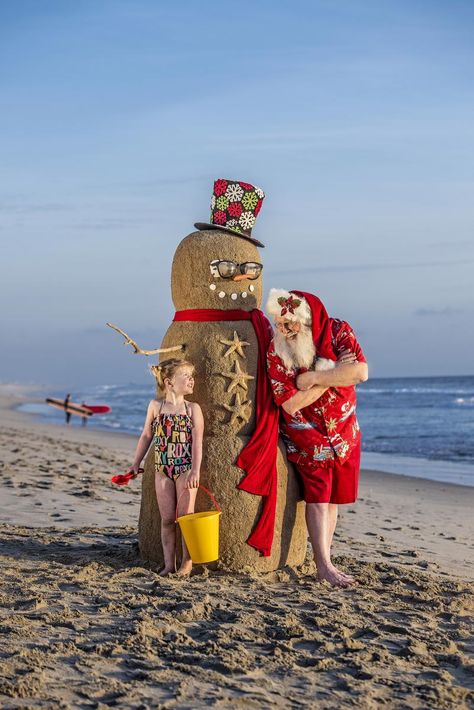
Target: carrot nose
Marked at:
240, 277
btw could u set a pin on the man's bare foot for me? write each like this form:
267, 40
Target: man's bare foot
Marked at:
185, 569
166, 571
335, 577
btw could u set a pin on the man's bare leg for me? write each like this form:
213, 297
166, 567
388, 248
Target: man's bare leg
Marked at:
332, 514
317, 521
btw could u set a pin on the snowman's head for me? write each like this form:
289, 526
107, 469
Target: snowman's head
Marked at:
214, 269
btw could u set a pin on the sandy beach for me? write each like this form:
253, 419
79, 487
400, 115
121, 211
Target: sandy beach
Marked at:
84, 624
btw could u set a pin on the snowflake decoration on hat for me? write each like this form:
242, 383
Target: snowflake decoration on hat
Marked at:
235, 209
247, 220
220, 186
234, 192
250, 200
222, 202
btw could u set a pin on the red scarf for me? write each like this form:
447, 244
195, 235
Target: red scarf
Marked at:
258, 457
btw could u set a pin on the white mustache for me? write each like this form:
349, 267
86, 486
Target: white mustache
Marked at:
295, 351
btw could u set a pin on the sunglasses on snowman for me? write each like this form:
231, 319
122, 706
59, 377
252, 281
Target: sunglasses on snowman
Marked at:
228, 269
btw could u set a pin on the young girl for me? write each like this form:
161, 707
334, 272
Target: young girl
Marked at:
177, 427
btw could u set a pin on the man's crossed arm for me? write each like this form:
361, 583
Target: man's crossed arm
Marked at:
313, 384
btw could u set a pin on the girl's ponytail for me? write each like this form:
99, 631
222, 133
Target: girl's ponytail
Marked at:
166, 369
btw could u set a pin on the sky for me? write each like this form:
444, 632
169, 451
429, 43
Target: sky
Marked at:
355, 116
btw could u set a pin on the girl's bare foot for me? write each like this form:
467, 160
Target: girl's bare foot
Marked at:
335, 577
166, 571
185, 569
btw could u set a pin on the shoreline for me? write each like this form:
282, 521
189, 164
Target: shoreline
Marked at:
372, 462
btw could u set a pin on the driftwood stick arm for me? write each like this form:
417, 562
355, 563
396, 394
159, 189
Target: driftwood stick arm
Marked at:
138, 350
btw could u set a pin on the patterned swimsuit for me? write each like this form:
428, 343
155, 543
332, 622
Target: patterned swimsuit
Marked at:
173, 441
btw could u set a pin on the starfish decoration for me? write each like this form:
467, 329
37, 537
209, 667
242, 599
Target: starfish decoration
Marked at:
239, 378
239, 410
235, 346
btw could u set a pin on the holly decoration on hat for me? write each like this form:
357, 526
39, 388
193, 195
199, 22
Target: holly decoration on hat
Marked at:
288, 305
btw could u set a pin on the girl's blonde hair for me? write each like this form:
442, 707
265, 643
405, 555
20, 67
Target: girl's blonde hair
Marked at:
167, 369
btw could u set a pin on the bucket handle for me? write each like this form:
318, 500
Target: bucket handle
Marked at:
206, 491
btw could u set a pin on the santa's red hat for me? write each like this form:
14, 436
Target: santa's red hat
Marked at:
306, 309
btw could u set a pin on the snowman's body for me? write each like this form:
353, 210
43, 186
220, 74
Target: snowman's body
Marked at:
225, 356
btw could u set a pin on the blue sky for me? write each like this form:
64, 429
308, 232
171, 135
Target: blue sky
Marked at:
356, 118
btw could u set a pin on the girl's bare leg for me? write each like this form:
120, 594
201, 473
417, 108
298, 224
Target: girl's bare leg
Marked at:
185, 506
166, 498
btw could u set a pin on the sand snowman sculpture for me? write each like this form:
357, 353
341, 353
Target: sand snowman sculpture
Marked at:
216, 287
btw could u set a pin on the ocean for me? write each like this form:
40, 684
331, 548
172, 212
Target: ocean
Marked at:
420, 426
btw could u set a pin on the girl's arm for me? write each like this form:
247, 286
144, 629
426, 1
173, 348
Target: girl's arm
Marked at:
145, 437
198, 432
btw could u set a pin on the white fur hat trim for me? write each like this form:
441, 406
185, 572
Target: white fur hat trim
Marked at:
323, 363
301, 313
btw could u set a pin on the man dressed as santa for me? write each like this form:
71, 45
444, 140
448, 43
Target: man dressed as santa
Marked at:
313, 362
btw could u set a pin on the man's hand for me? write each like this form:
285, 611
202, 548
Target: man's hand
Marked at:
305, 381
346, 358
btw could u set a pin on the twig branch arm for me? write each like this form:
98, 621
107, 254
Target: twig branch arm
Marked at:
138, 350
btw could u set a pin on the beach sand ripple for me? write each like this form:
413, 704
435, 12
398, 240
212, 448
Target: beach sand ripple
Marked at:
89, 626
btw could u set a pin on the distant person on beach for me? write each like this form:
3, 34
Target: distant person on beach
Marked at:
313, 362
84, 418
66, 403
176, 426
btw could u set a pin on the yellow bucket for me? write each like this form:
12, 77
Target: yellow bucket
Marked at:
201, 533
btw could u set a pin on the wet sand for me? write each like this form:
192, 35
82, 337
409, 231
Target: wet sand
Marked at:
86, 625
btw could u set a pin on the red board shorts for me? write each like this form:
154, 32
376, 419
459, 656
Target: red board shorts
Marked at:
336, 483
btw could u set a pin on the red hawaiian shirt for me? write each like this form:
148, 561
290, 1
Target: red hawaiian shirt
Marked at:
328, 427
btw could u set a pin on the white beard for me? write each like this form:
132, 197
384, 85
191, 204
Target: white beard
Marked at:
295, 352
300, 351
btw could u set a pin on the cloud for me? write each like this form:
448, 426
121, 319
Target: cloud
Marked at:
24, 207
452, 245
447, 311
366, 267
113, 223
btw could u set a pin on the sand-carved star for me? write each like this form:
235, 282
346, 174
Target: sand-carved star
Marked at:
238, 378
239, 410
235, 346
